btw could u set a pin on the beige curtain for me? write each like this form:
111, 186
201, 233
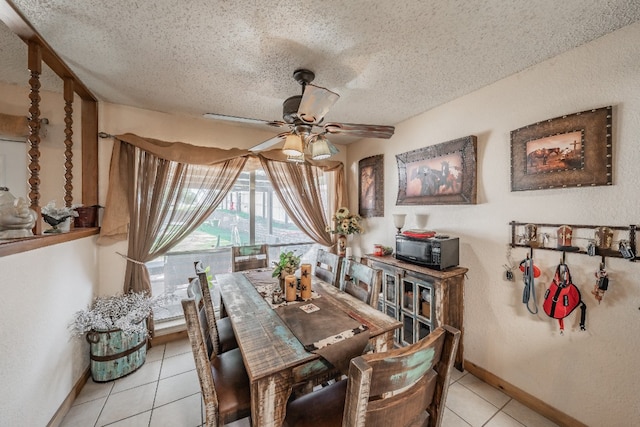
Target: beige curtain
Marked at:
159, 215
297, 186
115, 221
148, 194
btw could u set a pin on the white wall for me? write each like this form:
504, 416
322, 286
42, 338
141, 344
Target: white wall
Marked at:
40, 361
593, 375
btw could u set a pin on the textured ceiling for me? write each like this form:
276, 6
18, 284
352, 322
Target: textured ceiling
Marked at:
389, 60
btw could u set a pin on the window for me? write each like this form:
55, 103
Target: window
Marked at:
250, 214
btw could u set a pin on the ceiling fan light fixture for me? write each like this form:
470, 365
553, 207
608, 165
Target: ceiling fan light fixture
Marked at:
293, 145
320, 149
296, 159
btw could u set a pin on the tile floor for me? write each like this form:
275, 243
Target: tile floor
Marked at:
165, 392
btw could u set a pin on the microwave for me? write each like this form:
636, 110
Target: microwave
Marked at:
435, 253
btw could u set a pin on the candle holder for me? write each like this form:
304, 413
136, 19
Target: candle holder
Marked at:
398, 221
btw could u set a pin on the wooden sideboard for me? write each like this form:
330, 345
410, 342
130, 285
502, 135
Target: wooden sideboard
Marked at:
420, 298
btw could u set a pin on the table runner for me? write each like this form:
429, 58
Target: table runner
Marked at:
325, 330
320, 326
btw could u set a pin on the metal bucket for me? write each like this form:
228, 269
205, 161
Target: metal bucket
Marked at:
115, 354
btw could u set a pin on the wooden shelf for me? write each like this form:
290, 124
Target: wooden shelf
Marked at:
16, 246
604, 253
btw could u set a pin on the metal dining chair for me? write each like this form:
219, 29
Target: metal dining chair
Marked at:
361, 281
223, 378
401, 388
327, 267
221, 332
249, 257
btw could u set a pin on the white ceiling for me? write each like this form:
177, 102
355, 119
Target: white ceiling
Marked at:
389, 60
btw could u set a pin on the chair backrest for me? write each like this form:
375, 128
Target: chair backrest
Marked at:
249, 257
327, 267
361, 281
402, 387
201, 295
196, 319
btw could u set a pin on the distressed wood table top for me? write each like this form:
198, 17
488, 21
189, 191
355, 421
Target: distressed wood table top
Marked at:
274, 358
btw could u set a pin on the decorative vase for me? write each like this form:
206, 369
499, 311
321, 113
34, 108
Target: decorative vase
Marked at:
342, 245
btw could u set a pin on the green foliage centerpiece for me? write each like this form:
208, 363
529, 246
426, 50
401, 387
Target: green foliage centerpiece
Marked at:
287, 264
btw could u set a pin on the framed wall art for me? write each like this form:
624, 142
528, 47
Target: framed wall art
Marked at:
371, 186
440, 174
568, 151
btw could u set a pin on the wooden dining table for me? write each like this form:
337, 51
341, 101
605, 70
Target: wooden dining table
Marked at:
276, 361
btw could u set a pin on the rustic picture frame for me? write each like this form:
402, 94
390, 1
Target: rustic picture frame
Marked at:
569, 151
442, 174
371, 186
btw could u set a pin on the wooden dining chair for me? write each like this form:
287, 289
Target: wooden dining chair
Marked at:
220, 331
249, 257
327, 267
361, 281
223, 378
401, 388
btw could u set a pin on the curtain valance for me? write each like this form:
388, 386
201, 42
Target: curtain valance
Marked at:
115, 222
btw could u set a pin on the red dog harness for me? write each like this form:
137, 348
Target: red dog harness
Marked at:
563, 297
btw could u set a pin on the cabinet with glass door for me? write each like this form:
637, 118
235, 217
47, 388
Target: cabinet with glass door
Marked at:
420, 298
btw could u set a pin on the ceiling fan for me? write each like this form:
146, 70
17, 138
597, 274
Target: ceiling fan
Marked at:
303, 115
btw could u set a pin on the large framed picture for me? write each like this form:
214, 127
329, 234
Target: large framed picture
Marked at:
440, 174
568, 151
371, 186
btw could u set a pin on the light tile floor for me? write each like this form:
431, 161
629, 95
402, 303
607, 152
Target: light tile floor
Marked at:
165, 392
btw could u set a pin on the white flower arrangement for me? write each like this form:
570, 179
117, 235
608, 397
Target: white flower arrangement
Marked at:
126, 312
346, 222
59, 213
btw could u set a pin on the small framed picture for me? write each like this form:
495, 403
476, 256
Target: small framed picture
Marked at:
371, 186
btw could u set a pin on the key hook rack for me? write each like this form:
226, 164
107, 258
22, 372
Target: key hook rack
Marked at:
519, 240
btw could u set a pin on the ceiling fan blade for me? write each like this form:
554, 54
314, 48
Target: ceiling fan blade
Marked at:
270, 142
274, 123
315, 103
364, 131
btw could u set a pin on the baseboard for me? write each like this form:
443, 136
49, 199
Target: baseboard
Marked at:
57, 418
66, 404
522, 396
171, 336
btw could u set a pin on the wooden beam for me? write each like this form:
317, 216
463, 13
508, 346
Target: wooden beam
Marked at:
16, 21
68, 142
35, 67
89, 125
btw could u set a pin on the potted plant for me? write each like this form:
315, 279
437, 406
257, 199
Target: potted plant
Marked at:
345, 223
287, 264
116, 329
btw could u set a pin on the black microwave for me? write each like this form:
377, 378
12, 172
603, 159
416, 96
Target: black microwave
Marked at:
436, 253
